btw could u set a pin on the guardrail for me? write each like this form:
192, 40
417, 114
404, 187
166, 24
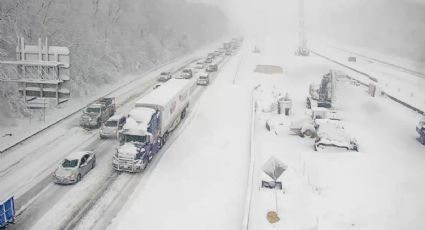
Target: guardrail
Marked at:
407, 105
248, 200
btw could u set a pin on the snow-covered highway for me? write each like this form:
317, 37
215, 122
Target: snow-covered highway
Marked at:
26, 171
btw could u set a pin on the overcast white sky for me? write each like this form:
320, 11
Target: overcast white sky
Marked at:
396, 26
252, 12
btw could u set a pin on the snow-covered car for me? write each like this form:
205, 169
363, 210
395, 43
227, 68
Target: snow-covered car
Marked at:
74, 167
164, 76
325, 121
112, 126
186, 74
303, 127
204, 79
307, 125
330, 136
200, 65
212, 68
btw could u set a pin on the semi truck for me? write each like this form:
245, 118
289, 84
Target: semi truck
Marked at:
150, 123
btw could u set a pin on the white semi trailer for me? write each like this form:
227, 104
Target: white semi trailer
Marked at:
150, 123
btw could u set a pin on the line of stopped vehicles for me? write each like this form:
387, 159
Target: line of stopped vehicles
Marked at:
147, 127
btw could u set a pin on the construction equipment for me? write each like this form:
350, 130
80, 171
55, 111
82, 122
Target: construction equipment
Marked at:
322, 95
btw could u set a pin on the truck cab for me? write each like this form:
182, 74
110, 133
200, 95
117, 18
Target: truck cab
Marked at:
97, 112
138, 141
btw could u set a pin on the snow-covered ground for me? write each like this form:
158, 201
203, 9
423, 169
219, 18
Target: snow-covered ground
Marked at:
379, 187
406, 82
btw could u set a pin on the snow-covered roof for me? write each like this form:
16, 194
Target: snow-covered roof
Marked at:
203, 74
336, 123
164, 94
76, 155
328, 133
115, 117
138, 120
95, 105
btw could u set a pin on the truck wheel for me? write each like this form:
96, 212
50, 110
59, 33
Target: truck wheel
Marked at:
78, 178
164, 138
183, 114
308, 133
98, 124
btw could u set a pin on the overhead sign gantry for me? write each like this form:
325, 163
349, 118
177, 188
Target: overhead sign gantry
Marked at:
42, 71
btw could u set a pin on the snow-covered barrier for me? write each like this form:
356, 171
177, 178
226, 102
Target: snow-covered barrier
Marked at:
247, 209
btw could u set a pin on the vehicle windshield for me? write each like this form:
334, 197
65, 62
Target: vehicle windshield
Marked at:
186, 71
134, 138
203, 77
69, 163
165, 73
111, 123
92, 110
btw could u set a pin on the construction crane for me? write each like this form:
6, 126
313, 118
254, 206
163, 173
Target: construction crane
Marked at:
302, 48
